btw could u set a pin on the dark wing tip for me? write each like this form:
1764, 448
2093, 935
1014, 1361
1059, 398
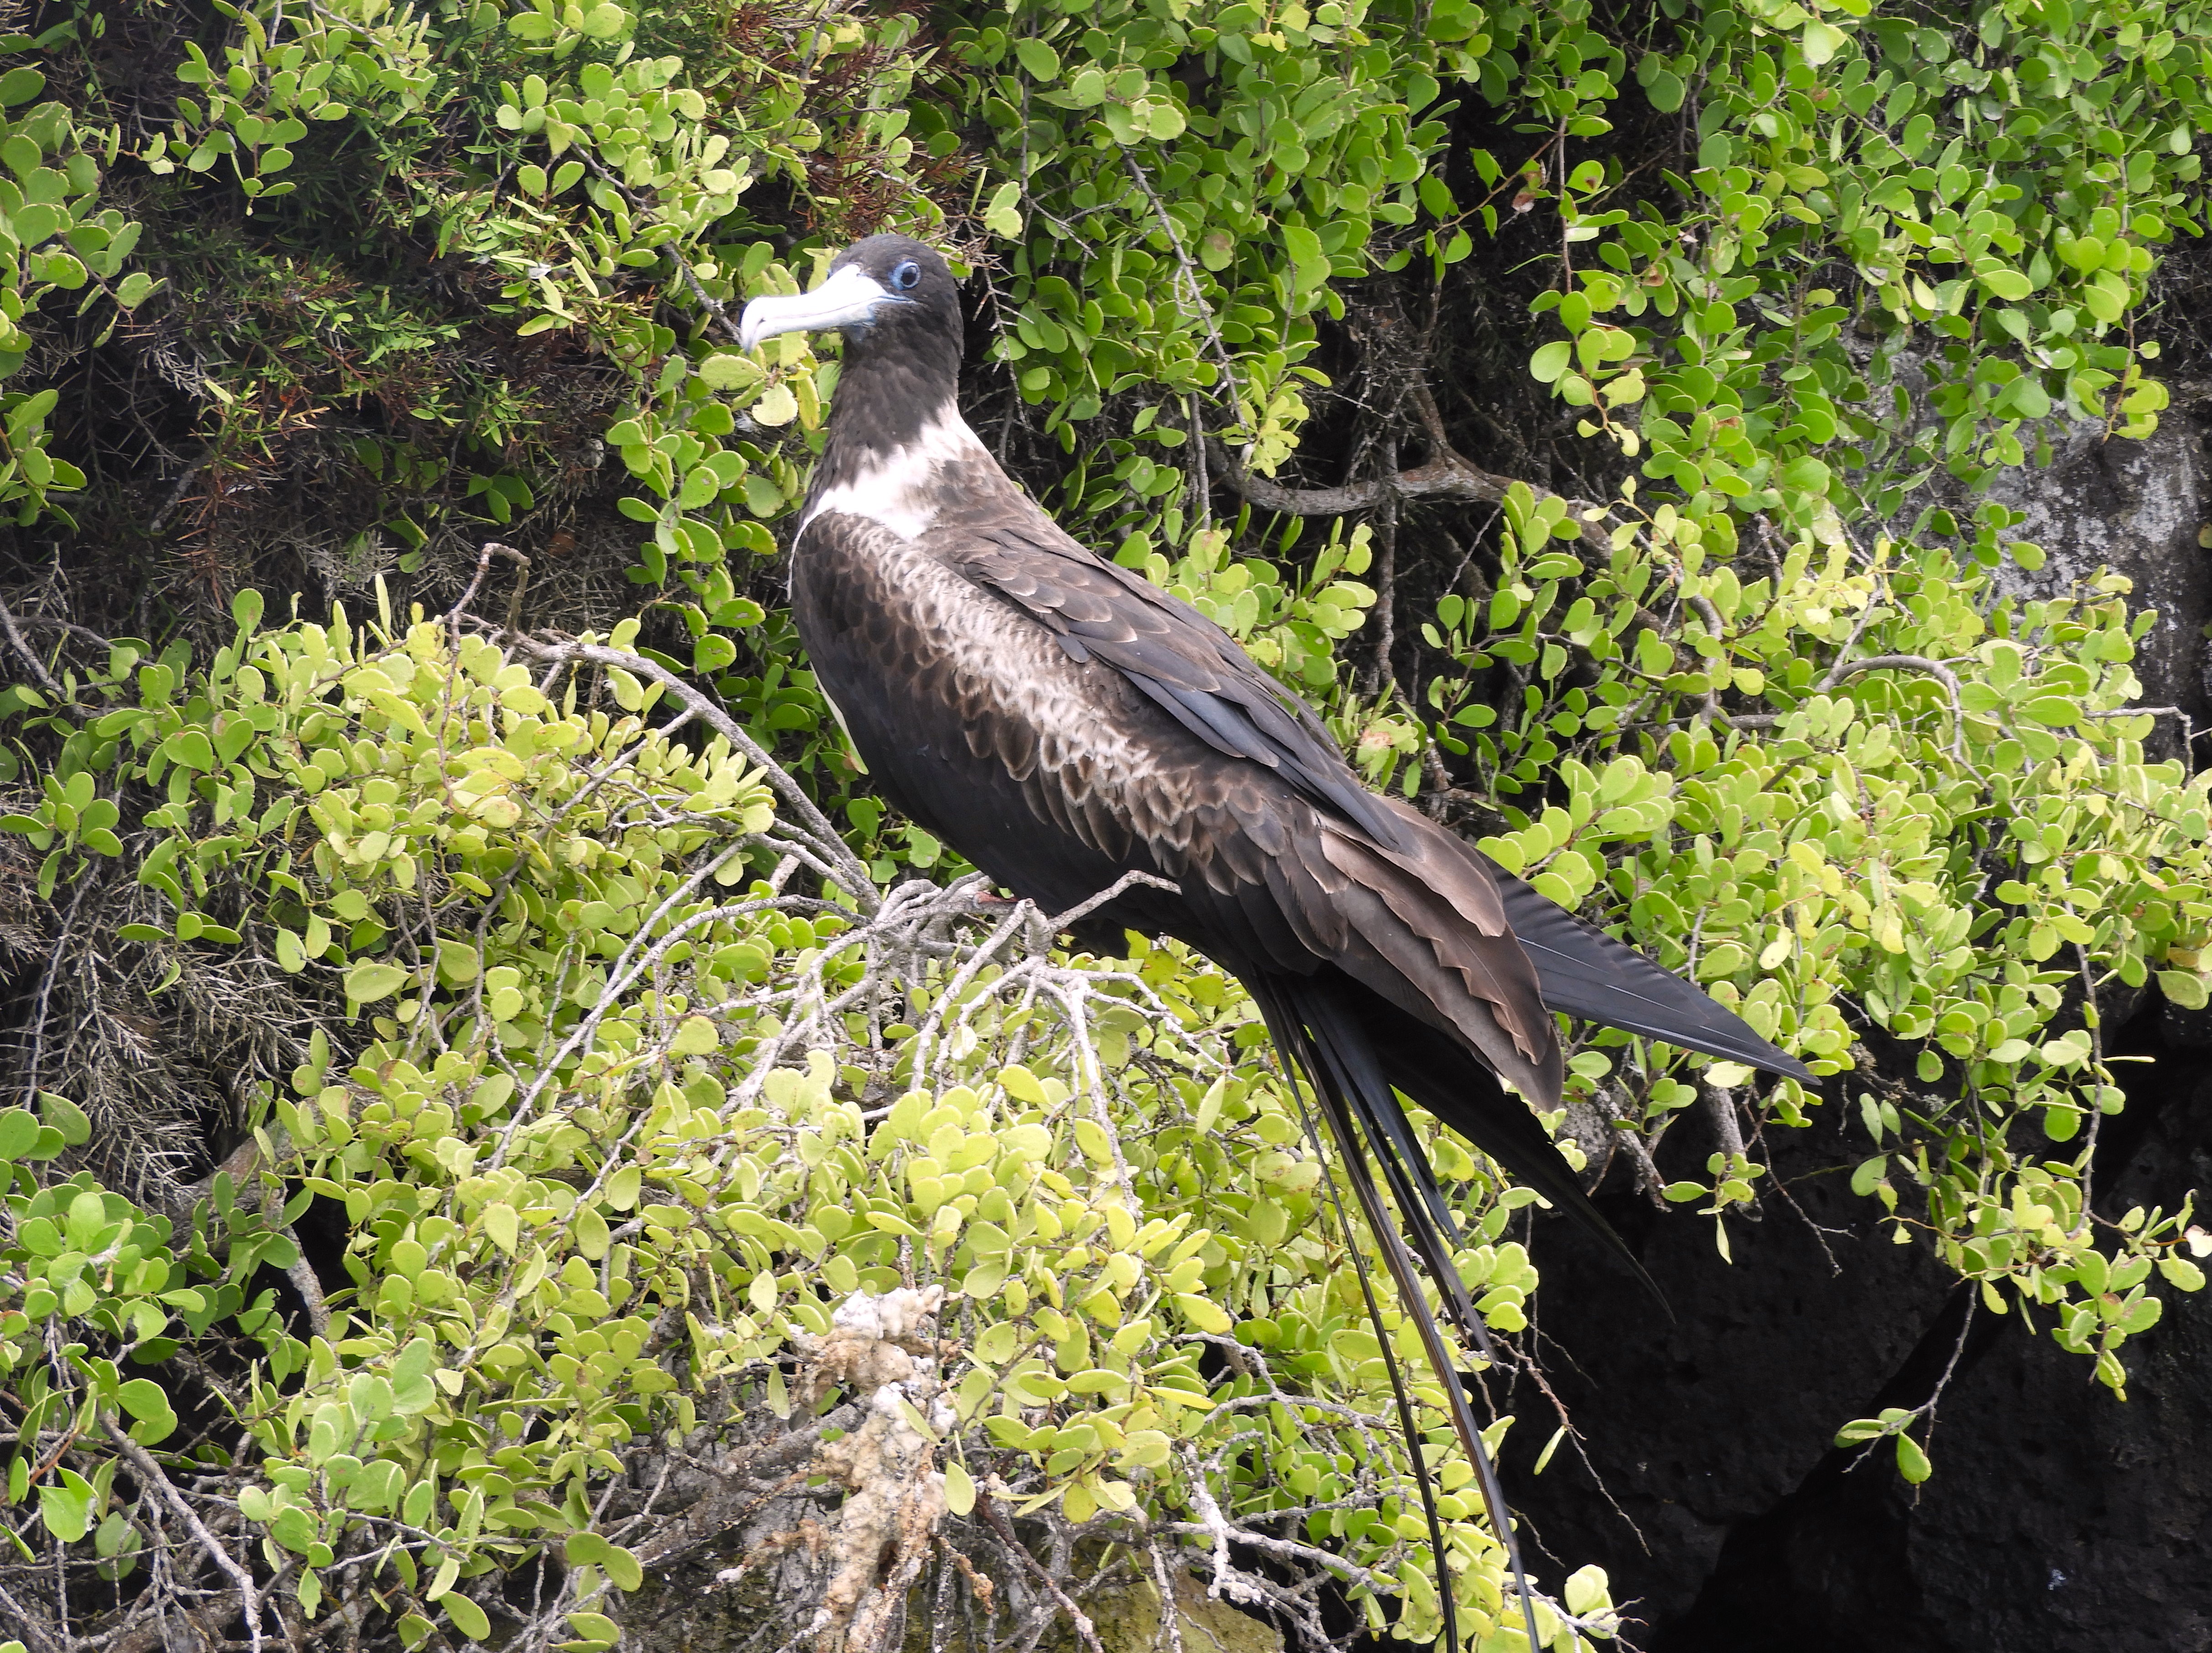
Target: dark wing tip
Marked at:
1583, 972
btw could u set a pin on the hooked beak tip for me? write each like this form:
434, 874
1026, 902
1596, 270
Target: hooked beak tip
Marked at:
847, 299
751, 332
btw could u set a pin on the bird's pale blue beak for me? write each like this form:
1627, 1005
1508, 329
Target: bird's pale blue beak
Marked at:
849, 298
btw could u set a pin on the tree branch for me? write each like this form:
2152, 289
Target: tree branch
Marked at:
811, 825
1446, 477
39, 675
491, 548
33, 1632
1936, 669
151, 1476
987, 1507
1189, 272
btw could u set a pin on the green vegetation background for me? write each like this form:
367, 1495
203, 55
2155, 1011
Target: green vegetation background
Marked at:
523, 921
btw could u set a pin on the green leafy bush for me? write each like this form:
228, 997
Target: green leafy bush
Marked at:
619, 1125
1770, 701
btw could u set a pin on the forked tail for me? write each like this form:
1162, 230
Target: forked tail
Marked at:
1317, 1023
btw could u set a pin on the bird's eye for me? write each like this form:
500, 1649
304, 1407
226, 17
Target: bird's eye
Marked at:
906, 276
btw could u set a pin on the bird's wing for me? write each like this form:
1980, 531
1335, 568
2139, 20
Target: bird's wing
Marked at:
1177, 658
1386, 873
1384, 894
1588, 974
1583, 971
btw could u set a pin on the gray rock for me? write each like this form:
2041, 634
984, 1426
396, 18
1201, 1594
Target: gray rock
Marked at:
2137, 508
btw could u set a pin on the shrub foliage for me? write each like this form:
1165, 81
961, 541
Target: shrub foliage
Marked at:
643, 1134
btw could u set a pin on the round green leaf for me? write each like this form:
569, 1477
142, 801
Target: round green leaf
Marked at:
371, 980
959, 1488
1821, 41
18, 1132
146, 1401
726, 370
65, 1505
471, 1621
1039, 61
1912, 1462
65, 1116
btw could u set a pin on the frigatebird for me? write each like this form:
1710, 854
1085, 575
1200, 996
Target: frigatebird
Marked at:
1063, 723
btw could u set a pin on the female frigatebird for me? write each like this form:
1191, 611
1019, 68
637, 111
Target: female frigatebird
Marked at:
1063, 722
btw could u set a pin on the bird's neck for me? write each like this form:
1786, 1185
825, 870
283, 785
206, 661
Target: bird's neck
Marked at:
899, 453
891, 387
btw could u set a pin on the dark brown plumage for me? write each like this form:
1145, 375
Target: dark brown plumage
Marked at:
1063, 722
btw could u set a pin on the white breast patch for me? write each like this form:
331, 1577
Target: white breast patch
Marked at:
900, 490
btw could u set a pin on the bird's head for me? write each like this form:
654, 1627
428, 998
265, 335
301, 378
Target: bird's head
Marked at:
895, 302
887, 291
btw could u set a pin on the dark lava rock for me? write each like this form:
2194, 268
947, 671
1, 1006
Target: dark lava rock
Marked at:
2059, 1516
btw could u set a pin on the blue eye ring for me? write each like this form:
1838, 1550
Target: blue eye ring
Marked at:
905, 275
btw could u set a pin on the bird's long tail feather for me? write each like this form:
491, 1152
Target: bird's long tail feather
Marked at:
1440, 1075
1319, 1029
